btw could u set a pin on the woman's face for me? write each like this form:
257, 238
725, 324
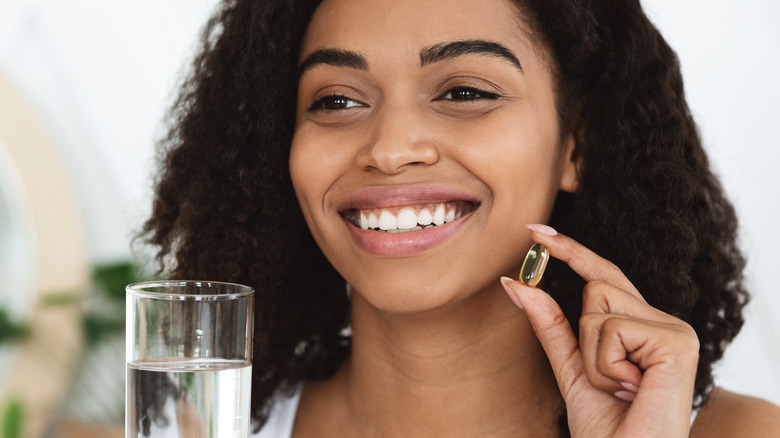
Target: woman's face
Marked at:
426, 139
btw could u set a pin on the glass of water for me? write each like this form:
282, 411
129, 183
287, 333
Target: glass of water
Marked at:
189, 359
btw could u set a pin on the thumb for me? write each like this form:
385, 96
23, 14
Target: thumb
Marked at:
553, 331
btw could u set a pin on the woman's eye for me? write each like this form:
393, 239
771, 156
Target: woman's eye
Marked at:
334, 102
468, 93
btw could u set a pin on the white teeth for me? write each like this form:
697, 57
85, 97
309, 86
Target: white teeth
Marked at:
424, 217
438, 215
450, 216
406, 219
387, 221
373, 221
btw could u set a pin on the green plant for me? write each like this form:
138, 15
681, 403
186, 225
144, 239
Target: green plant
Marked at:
10, 330
105, 314
12, 420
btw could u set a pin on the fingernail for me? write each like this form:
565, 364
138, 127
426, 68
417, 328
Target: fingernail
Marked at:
543, 229
626, 395
510, 292
629, 386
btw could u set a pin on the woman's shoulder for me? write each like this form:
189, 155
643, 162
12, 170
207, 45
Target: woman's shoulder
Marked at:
728, 414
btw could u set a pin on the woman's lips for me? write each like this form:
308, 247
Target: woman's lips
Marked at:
404, 244
407, 220
399, 196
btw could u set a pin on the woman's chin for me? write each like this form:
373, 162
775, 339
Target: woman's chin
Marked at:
397, 299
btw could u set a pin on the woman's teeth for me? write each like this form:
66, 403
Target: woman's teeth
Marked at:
404, 219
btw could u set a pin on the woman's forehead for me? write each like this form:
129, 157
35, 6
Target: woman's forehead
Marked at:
409, 26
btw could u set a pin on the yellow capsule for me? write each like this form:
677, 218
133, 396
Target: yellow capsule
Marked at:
534, 265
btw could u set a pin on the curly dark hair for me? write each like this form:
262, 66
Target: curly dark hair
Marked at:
225, 209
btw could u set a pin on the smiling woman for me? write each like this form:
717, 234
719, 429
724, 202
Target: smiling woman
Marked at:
443, 119
412, 150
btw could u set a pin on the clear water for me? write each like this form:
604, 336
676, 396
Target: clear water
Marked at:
197, 398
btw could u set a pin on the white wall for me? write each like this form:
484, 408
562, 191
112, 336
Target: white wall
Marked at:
730, 55
101, 74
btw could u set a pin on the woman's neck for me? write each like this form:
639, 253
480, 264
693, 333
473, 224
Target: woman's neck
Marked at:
472, 369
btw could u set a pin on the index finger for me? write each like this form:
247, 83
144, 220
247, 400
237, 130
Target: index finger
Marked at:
586, 263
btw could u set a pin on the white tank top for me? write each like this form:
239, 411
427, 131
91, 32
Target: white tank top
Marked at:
282, 417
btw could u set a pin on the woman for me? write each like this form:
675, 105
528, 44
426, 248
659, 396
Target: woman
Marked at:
403, 148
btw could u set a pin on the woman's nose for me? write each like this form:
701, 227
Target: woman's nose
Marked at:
399, 140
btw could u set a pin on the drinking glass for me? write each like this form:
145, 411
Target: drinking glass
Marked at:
189, 359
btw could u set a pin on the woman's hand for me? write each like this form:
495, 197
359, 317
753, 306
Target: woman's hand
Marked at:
632, 371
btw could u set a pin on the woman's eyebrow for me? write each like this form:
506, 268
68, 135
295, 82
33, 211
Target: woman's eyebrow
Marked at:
334, 57
455, 49
429, 55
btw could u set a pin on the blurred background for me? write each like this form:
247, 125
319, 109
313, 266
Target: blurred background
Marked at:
84, 86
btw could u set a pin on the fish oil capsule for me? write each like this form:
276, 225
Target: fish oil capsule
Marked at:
534, 265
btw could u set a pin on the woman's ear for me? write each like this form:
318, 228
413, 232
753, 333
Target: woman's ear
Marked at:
570, 174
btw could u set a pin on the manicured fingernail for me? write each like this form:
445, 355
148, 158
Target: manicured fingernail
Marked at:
543, 229
630, 386
626, 395
510, 292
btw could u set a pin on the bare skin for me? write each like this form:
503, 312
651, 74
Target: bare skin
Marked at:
729, 414
460, 383
385, 123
